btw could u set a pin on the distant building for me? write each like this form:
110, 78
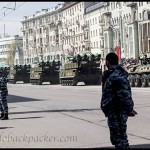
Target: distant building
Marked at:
72, 29
41, 35
5, 44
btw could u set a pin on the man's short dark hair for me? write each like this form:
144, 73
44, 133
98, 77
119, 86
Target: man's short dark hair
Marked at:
112, 58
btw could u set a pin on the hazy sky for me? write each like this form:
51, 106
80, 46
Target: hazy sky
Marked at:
13, 18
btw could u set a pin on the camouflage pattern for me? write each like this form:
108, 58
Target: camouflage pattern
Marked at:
3, 95
116, 91
116, 103
117, 122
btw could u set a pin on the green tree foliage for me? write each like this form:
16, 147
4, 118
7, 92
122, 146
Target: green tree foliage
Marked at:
11, 54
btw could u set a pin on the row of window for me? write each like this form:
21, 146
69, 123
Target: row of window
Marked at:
115, 5
95, 20
4, 46
73, 10
73, 20
54, 17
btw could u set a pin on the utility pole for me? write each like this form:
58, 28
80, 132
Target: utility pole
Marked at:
4, 30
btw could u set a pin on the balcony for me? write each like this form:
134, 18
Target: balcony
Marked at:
101, 46
107, 27
132, 20
86, 27
107, 12
131, 4
101, 35
101, 22
86, 39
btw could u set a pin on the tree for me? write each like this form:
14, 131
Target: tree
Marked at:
11, 54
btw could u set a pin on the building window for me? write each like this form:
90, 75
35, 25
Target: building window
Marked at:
96, 43
140, 3
117, 5
111, 6
96, 32
140, 16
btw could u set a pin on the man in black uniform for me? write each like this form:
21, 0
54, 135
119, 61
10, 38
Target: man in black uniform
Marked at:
3, 97
116, 102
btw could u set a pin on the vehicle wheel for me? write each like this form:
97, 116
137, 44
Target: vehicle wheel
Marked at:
39, 82
14, 82
144, 80
148, 80
132, 80
74, 82
138, 81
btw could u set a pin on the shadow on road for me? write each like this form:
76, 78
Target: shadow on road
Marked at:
138, 146
57, 110
5, 127
25, 118
143, 146
18, 99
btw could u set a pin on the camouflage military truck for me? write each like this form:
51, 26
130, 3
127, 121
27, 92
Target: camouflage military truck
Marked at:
139, 75
5, 71
84, 68
45, 72
19, 73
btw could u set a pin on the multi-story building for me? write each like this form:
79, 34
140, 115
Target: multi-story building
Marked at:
41, 35
5, 46
94, 31
128, 28
75, 27
72, 28
121, 30
94, 38
143, 13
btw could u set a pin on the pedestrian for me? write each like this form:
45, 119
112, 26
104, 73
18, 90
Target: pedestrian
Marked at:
3, 97
116, 101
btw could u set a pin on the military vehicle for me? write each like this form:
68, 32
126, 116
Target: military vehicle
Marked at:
84, 68
19, 73
45, 72
5, 71
139, 74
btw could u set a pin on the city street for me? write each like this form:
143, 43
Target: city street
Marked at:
55, 116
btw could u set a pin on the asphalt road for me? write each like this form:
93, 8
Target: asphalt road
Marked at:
55, 116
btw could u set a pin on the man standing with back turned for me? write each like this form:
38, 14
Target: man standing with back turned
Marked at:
116, 101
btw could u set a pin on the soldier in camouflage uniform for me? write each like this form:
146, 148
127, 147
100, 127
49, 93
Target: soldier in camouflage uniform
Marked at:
3, 97
116, 102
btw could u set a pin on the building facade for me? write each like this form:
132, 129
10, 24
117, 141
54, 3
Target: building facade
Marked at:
41, 35
76, 27
5, 44
72, 29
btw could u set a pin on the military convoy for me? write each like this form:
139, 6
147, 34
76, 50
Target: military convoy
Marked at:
19, 73
84, 68
139, 74
5, 71
45, 72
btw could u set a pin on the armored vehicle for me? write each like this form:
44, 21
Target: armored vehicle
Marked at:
45, 72
139, 75
19, 73
84, 68
5, 71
